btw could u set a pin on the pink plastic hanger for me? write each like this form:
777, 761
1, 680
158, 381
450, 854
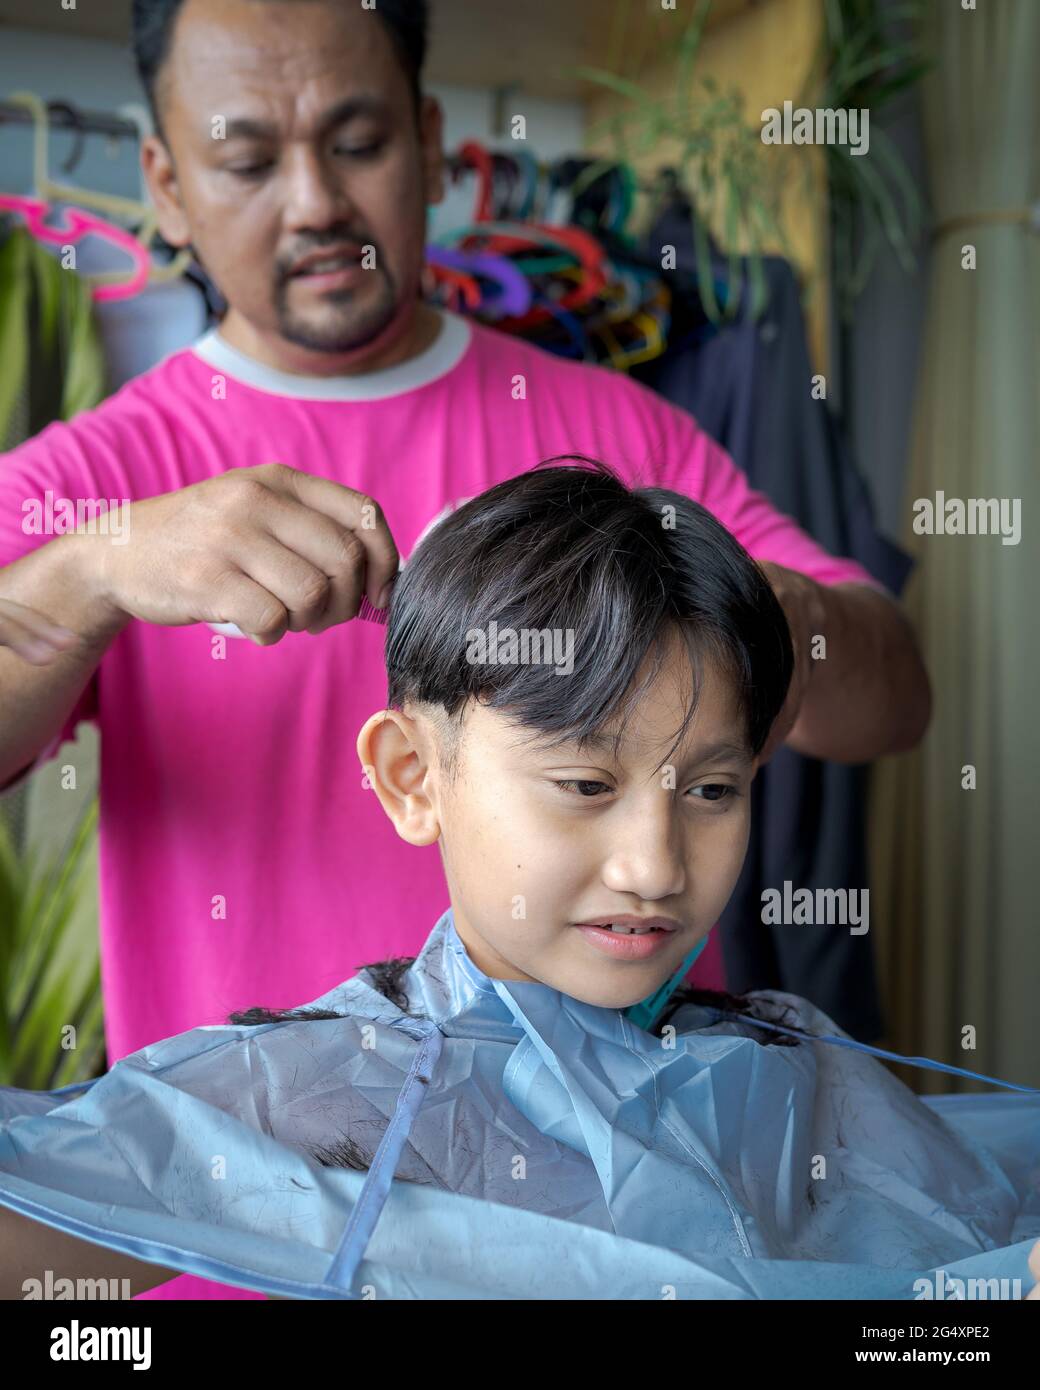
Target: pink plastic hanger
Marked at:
91, 212
78, 224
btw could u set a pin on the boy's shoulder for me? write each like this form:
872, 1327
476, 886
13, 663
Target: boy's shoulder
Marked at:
793, 1011
771, 1006
356, 1000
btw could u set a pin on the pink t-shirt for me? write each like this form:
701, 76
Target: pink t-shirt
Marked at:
242, 860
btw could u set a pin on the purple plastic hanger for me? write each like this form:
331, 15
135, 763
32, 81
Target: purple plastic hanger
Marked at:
513, 294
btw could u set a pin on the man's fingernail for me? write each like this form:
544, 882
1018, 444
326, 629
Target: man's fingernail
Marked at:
384, 596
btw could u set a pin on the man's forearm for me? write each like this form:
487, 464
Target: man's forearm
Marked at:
31, 1251
869, 694
36, 700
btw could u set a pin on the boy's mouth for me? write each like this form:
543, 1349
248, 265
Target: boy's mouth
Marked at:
627, 937
627, 924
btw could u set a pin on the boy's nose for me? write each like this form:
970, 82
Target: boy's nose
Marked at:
646, 861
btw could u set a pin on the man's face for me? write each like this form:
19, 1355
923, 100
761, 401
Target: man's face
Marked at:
527, 858
321, 151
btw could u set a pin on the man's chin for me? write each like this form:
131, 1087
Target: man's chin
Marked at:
340, 341
342, 330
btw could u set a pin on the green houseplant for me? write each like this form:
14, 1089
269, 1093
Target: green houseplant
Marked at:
717, 149
51, 1015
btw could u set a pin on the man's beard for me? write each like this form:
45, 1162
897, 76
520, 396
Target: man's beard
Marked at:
345, 329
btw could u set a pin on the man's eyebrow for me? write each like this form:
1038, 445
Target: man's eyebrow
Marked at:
248, 127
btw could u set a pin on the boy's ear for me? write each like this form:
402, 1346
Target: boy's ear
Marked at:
396, 755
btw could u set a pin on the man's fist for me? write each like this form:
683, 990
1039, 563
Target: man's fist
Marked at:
270, 549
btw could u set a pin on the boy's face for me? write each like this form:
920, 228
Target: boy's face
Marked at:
536, 842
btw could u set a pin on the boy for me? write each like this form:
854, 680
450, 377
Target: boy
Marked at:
582, 679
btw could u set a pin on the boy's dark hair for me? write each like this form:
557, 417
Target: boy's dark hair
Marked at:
568, 546
343, 1151
153, 23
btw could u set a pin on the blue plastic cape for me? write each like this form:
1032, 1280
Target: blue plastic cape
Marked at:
541, 1147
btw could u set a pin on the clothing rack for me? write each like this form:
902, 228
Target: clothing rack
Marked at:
664, 182
63, 116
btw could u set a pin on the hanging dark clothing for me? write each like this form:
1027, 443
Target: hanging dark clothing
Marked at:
749, 386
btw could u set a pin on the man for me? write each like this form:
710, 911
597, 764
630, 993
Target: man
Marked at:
241, 858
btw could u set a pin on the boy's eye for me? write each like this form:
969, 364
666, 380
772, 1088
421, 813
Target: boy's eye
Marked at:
582, 787
715, 791
710, 791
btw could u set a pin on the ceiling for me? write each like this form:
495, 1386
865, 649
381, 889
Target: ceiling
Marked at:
476, 43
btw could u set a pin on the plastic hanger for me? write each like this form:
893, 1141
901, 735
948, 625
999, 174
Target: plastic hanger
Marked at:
460, 288
647, 317
512, 237
507, 184
531, 173
572, 326
512, 295
601, 203
579, 257
128, 211
506, 238
75, 225
600, 326
473, 155
79, 133
112, 205
494, 170
646, 349
172, 269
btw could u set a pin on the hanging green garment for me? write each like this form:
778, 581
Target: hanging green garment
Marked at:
52, 366
53, 363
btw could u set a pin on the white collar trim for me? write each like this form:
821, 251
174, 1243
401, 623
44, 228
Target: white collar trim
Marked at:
444, 353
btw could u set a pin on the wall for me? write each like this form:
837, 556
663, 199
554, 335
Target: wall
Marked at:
99, 75
765, 51
879, 352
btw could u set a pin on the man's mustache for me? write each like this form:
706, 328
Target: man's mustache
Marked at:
286, 270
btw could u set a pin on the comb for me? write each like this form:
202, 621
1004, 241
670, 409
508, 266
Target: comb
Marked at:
367, 611
370, 614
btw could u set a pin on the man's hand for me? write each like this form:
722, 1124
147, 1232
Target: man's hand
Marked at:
865, 692
1034, 1269
270, 549
29, 1249
798, 597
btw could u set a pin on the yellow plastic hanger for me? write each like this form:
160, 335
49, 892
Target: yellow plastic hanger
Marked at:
645, 349
651, 345
131, 212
